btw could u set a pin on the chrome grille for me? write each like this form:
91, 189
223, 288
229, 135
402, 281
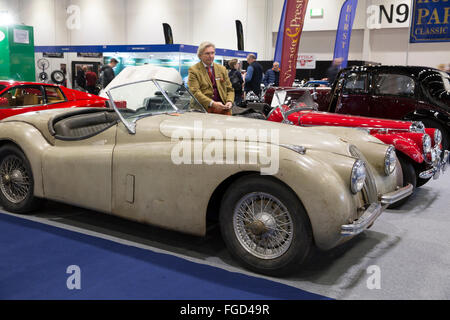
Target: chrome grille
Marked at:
370, 189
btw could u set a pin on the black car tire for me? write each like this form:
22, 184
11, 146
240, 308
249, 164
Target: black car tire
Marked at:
16, 181
58, 77
409, 177
297, 247
421, 182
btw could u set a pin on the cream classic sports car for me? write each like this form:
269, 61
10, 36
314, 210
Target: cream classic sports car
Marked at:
157, 157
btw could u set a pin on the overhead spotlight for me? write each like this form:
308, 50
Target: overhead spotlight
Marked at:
6, 18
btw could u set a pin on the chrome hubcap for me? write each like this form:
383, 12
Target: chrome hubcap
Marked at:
14, 180
263, 225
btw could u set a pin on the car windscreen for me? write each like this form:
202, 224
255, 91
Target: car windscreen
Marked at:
146, 98
2, 87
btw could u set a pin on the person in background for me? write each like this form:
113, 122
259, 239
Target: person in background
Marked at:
209, 82
333, 70
254, 75
236, 80
272, 76
81, 77
91, 81
108, 73
441, 67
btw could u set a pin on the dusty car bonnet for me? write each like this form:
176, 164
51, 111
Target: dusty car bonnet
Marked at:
237, 128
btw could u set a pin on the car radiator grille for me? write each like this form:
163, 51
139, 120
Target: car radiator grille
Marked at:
369, 190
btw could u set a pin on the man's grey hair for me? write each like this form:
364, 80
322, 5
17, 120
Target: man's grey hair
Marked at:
202, 47
251, 56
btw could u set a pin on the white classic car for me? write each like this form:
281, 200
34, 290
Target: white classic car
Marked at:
158, 157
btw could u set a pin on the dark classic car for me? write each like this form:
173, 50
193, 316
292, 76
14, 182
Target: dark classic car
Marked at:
418, 149
392, 92
395, 92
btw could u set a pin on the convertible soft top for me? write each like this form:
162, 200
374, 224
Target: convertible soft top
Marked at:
140, 73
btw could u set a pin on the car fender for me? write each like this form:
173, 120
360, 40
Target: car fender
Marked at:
321, 180
403, 145
30, 140
436, 115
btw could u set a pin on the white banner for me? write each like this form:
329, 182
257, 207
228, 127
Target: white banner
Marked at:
306, 62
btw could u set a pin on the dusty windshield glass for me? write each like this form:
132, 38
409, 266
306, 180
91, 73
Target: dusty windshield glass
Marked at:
147, 98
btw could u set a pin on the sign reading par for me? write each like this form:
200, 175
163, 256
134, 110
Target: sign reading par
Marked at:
430, 21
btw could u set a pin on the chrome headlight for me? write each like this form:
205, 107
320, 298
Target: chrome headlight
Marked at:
437, 137
390, 161
426, 143
358, 176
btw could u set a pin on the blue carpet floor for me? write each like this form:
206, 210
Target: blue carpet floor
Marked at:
34, 258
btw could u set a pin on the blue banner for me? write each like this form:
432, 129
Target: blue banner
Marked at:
430, 21
344, 31
279, 45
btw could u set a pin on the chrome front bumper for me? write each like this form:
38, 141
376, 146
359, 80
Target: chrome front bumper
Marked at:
374, 210
439, 166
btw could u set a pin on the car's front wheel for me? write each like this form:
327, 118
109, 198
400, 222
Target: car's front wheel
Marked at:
16, 181
265, 226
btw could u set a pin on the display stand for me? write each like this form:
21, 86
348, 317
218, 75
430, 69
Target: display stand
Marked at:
17, 53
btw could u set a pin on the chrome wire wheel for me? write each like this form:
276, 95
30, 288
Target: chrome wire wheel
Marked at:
15, 182
263, 225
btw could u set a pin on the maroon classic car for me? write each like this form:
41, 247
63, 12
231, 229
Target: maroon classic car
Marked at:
418, 149
392, 92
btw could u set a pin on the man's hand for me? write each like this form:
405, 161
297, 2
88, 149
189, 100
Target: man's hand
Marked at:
219, 106
228, 105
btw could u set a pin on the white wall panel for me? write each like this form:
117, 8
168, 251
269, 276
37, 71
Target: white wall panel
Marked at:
144, 20
390, 46
102, 22
215, 21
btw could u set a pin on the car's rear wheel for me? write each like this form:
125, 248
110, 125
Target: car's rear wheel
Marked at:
265, 226
409, 177
16, 181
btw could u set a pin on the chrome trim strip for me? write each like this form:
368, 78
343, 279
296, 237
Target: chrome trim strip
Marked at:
366, 220
131, 127
394, 196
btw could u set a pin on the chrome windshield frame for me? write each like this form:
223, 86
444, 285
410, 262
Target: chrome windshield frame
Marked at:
284, 113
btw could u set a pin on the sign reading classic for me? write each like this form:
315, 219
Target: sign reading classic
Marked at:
430, 21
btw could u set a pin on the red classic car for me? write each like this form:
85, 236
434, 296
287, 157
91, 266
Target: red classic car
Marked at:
392, 92
19, 97
419, 149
